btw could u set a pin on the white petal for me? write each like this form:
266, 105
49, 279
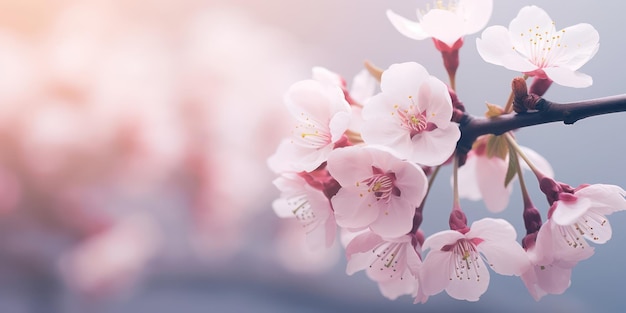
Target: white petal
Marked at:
579, 44
363, 86
505, 258
476, 14
406, 27
443, 25
495, 47
402, 81
568, 78
529, 21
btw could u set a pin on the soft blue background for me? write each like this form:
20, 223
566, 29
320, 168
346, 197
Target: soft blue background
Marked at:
340, 35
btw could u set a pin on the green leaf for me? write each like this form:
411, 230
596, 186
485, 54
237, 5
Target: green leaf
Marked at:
497, 146
513, 166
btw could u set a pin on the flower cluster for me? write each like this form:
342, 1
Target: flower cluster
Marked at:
372, 180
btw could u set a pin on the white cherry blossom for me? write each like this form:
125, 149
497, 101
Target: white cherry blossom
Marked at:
446, 23
534, 46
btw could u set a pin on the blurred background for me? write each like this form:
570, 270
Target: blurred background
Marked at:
134, 134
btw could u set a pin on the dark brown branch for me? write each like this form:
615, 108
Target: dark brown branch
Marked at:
547, 112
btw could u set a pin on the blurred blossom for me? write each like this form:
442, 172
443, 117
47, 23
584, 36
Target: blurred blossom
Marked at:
106, 104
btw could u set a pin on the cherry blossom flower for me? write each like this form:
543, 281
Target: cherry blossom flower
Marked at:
532, 45
456, 261
412, 115
553, 257
378, 190
582, 214
445, 23
309, 206
482, 177
363, 87
393, 263
322, 115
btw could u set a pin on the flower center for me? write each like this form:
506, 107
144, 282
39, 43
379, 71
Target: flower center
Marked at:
387, 261
303, 211
310, 133
382, 184
543, 45
451, 6
465, 260
412, 120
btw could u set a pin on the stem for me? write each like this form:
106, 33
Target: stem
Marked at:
547, 112
513, 144
522, 184
455, 184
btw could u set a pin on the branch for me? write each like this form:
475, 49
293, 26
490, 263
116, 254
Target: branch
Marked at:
547, 112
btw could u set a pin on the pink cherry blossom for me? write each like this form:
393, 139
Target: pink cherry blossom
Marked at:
482, 177
447, 23
582, 215
393, 263
363, 87
553, 257
378, 190
412, 115
532, 45
322, 115
456, 261
309, 206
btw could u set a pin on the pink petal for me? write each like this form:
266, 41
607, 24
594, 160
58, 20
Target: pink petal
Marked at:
363, 86
394, 288
606, 199
350, 165
505, 258
352, 210
490, 178
434, 147
567, 213
467, 175
396, 220
439, 240
406, 27
434, 98
553, 279
492, 229
436, 272
472, 286
538, 161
